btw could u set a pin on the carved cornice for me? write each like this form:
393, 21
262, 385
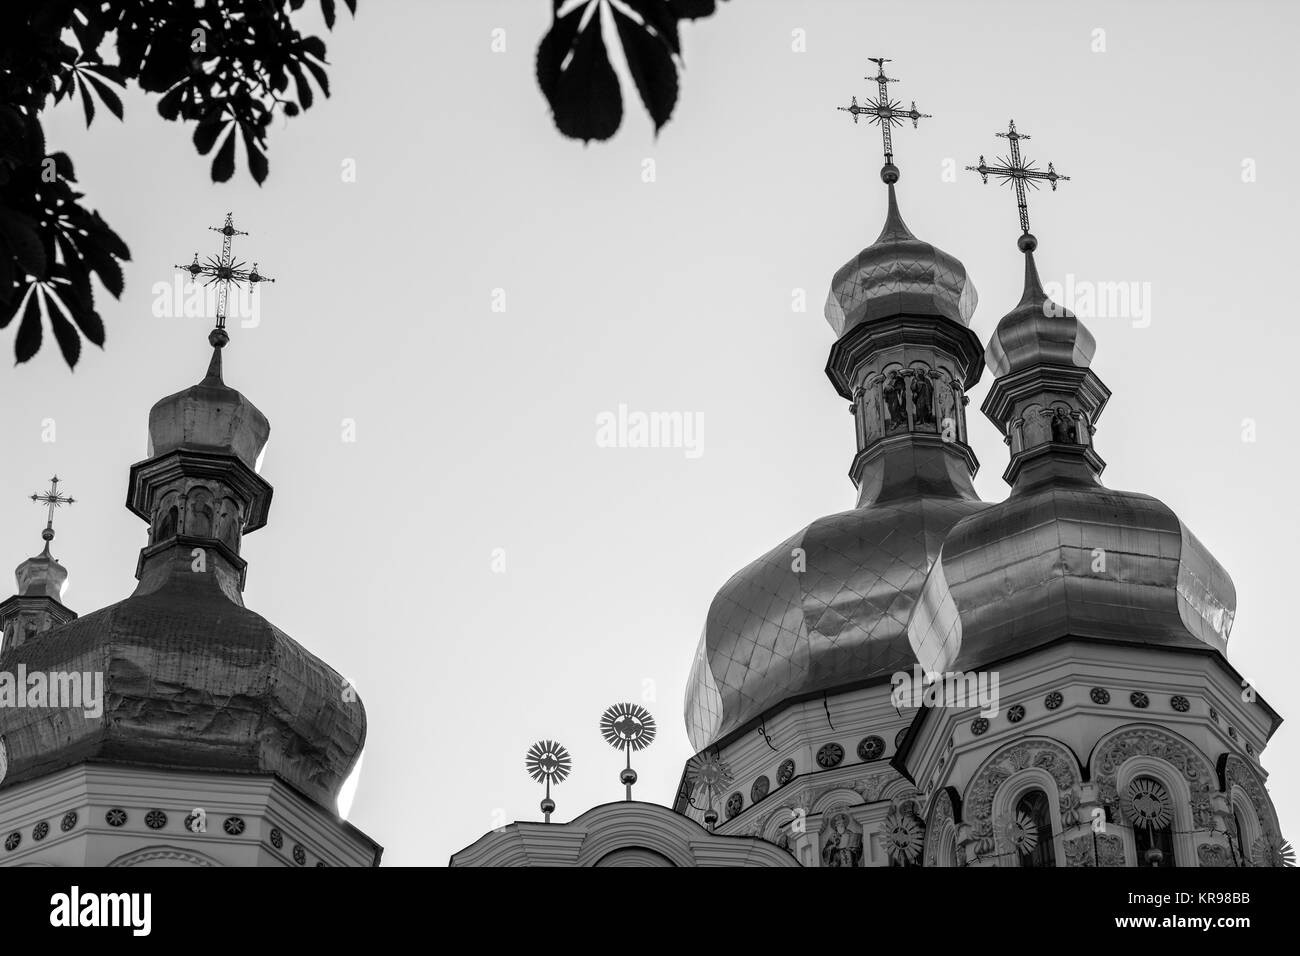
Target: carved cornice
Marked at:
149, 476
929, 331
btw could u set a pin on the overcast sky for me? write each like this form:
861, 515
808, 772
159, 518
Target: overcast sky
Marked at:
476, 430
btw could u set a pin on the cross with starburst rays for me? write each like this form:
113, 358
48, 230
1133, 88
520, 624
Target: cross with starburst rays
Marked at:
224, 270
1019, 172
548, 762
883, 110
628, 727
52, 499
706, 772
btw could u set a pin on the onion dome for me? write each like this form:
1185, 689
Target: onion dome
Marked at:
1060, 562
827, 609
899, 274
209, 416
37, 605
42, 575
1063, 556
1038, 331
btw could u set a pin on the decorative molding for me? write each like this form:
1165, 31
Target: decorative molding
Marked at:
1236, 772
940, 828
1079, 852
1211, 854
1112, 751
1047, 755
174, 856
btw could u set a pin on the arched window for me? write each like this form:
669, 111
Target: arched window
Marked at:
1033, 829
1151, 813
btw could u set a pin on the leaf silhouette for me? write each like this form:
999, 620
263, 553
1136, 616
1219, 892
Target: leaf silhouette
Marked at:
28, 342
650, 61
574, 72
223, 164
67, 337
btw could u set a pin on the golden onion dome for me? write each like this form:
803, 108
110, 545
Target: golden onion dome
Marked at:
1060, 561
1037, 331
1063, 556
825, 610
899, 274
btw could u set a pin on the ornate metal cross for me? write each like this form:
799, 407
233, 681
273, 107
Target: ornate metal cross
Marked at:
883, 110
224, 270
1019, 172
52, 499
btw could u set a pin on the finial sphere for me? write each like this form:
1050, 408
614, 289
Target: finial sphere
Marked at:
710, 817
1027, 242
548, 805
48, 534
889, 173
218, 338
627, 776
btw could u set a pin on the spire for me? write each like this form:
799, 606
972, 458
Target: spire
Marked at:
37, 605
895, 229
217, 338
1046, 399
905, 353
199, 489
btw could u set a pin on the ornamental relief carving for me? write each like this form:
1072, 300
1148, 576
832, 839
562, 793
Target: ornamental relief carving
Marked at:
1110, 850
1211, 854
870, 788
1149, 742
1237, 772
899, 400
198, 511
1047, 755
1078, 852
1057, 422
941, 818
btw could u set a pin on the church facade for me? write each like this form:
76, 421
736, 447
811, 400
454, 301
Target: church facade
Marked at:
929, 679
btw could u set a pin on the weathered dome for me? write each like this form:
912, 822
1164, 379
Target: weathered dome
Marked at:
775, 634
191, 681
899, 274
42, 575
1061, 561
209, 416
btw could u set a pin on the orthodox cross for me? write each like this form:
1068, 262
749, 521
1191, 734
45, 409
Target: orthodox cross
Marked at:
52, 499
1019, 172
883, 110
224, 270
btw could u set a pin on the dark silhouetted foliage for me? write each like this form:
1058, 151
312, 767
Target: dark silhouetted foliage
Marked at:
575, 73
226, 66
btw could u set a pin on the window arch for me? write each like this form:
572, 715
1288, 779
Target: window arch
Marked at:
1033, 829
1245, 827
1150, 810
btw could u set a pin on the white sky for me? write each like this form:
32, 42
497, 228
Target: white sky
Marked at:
476, 430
